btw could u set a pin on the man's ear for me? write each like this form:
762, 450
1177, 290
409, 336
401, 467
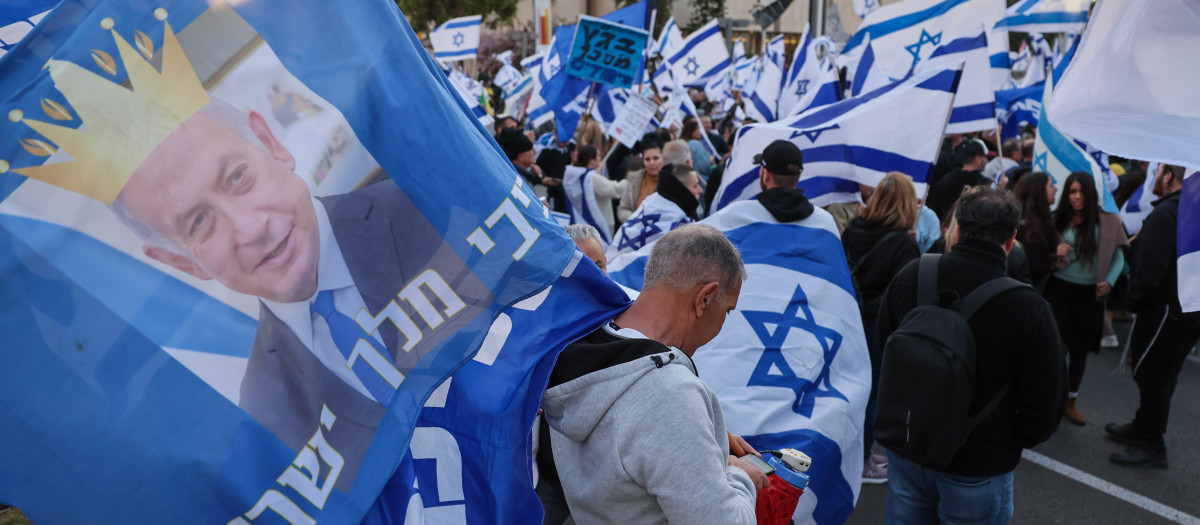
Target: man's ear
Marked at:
705, 298
177, 261
273, 147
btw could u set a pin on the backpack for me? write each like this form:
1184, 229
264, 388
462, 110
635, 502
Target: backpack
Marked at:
865, 307
927, 378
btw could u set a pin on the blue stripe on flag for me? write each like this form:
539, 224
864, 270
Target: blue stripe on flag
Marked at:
1000, 60
694, 41
460, 23
463, 52
900, 23
869, 158
827, 483
723, 65
164, 309
759, 244
818, 186
939, 82
1189, 217
1043, 18
973, 112
960, 45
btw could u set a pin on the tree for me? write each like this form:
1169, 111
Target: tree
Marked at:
703, 12
427, 14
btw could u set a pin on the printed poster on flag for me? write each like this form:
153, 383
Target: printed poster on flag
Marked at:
632, 120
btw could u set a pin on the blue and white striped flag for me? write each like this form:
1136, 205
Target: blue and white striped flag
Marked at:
747, 69
1040, 56
1046, 16
809, 82
863, 76
1019, 60
1189, 244
1143, 53
652, 219
1017, 106
701, 56
670, 39
516, 98
790, 366
1140, 202
468, 90
456, 39
902, 33
975, 103
763, 104
581, 201
17, 19
1060, 155
853, 141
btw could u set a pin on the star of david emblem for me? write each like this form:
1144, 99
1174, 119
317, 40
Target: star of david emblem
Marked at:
691, 66
458, 39
646, 226
813, 134
1039, 161
773, 370
926, 38
802, 87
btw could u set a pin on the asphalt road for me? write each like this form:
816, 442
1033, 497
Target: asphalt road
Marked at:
1046, 495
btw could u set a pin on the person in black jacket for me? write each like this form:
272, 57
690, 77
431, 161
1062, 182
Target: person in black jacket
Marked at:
1162, 334
1016, 344
943, 193
878, 245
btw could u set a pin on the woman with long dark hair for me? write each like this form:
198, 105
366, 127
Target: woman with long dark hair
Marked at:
1077, 292
1038, 234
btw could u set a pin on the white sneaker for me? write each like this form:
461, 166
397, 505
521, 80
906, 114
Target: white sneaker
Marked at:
1110, 341
874, 474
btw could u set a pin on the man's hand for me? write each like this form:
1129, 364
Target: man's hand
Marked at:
550, 181
760, 480
745, 446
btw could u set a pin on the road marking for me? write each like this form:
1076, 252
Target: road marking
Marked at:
1116, 491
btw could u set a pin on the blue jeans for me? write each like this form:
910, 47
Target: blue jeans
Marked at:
917, 495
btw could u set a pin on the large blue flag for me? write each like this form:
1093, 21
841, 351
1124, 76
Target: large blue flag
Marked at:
1016, 106
790, 366
852, 141
17, 19
244, 311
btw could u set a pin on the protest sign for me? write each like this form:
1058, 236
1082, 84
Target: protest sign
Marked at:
606, 52
632, 120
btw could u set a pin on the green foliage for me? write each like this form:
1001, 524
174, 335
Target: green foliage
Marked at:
702, 12
427, 14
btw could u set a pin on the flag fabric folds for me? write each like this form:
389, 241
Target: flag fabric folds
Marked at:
1189, 244
670, 39
1017, 106
902, 33
790, 365
700, 56
652, 219
19, 18
581, 201
1059, 155
457, 38
975, 101
137, 387
1046, 16
763, 105
1129, 90
852, 141
1140, 202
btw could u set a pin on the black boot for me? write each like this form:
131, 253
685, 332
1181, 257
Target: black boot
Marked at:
1141, 457
1124, 434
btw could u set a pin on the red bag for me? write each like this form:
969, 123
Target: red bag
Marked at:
777, 502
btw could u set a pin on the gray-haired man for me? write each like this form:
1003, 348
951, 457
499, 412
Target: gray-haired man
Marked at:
637, 436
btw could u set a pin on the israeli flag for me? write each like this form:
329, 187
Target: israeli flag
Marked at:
865, 77
609, 102
763, 105
670, 39
864, 7
457, 38
1046, 16
507, 77
1140, 202
19, 18
790, 365
1143, 112
1039, 60
653, 219
581, 201
1019, 59
126, 377
808, 77
852, 141
1189, 244
516, 98
903, 33
1059, 155
975, 103
824, 90
470, 97
746, 71
1016, 106
701, 56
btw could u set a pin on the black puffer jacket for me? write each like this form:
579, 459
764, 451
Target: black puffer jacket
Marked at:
876, 271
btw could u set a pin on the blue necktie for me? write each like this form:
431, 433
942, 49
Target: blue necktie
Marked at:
346, 333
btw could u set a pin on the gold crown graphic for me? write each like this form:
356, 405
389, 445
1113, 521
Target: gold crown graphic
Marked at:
121, 126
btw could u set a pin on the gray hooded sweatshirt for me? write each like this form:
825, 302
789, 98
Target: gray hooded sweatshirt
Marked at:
638, 438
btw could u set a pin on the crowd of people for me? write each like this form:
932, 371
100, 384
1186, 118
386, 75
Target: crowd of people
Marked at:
988, 212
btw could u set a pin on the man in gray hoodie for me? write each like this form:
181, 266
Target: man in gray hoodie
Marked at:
637, 436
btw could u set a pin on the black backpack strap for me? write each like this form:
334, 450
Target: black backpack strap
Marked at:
985, 292
987, 409
927, 279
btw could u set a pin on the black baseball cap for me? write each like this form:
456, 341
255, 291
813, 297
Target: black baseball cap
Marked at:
781, 158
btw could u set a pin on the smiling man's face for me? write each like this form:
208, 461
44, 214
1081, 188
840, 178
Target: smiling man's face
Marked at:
234, 207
